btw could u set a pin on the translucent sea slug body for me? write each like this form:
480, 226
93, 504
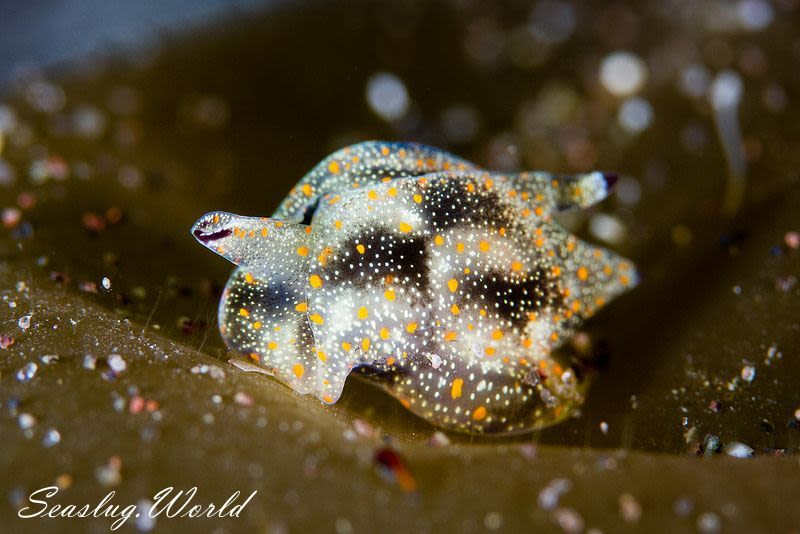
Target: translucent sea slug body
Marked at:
447, 284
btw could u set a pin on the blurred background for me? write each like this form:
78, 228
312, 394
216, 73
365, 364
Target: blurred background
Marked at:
122, 122
44, 33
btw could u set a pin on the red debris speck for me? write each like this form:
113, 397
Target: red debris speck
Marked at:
136, 405
792, 239
392, 466
94, 222
11, 217
26, 200
6, 341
